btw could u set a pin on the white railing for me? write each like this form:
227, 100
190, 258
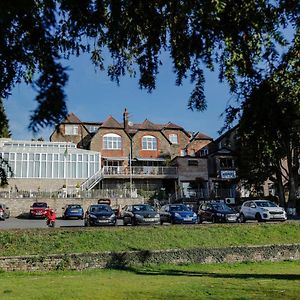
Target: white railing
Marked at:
92, 181
140, 170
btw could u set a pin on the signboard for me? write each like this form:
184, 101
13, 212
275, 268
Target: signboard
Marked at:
228, 174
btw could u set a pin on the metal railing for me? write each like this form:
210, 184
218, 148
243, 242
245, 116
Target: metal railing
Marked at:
140, 170
92, 181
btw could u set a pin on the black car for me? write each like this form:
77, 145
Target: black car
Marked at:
73, 211
99, 214
140, 214
217, 212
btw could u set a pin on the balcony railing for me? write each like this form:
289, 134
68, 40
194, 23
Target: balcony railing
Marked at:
139, 171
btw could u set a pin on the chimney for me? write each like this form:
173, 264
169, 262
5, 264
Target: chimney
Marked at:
125, 119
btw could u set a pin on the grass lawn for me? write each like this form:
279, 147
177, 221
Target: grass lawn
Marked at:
278, 280
57, 240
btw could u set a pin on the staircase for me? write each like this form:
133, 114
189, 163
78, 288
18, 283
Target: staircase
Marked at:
92, 181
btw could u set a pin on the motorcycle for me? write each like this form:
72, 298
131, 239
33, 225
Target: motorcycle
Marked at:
50, 217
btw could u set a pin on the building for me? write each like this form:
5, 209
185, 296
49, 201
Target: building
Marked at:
134, 156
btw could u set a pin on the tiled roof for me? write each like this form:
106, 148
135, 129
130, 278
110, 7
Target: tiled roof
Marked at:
148, 125
170, 125
72, 118
201, 136
111, 122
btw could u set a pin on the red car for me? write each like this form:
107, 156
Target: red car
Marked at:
37, 210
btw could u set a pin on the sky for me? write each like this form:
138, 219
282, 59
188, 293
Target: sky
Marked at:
93, 97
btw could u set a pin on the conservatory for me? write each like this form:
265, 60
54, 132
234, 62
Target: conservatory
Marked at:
47, 163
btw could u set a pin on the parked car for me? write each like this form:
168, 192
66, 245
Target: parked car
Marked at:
262, 210
140, 214
37, 210
177, 214
73, 211
99, 214
4, 212
217, 212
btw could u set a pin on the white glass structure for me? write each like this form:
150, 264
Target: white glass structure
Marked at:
49, 160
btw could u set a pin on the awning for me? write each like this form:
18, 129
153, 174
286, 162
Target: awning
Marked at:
150, 159
115, 158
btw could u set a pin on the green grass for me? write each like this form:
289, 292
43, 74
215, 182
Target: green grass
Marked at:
51, 241
280, 280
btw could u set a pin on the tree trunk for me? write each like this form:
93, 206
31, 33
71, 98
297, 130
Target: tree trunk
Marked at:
280, 187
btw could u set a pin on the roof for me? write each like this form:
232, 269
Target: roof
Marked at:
72, 118
201, 136
111, 122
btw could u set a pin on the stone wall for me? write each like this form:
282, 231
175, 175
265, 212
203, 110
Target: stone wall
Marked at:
21, 206
126, 259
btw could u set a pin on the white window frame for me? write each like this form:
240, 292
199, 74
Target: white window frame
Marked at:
112, 141
173, 138
149, 142
71, 129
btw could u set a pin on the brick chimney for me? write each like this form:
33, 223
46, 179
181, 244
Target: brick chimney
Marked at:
125, 119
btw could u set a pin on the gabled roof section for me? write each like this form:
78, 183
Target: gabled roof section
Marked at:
148, 125
111, 122
72, 118
171, 125
201, 136
223, 151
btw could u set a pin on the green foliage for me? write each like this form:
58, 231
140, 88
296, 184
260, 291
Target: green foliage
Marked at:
58, 241
233, 35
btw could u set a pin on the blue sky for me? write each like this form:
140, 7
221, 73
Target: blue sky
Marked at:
93, 97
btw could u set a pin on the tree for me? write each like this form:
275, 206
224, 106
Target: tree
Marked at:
4, 133
270, 128
229, 34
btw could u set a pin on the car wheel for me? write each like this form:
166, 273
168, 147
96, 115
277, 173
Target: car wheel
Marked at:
258, 217
199, 220
133, 222
214, 219
87, 224
161, 222
242, 218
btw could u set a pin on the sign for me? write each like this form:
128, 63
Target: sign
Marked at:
228, 174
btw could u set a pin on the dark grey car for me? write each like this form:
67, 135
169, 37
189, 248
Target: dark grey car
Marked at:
4, 212
99, 214
140, 214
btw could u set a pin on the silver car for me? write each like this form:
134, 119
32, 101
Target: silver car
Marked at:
262, 210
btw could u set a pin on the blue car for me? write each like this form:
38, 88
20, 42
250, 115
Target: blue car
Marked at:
73, 211
177, 214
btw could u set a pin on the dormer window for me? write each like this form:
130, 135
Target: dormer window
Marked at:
173, 138
149, 143
71, 129
112, 141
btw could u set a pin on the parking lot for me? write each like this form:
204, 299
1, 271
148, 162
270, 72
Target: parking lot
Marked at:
17, 223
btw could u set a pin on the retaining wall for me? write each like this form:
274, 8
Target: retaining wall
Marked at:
126, 259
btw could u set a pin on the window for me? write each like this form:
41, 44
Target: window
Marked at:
173, 138
92, 128
203, 152
112, 141
71, 129
149, 143
192, 162
226, 163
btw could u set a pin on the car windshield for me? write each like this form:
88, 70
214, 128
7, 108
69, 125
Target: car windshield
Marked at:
143, 208
39, 205
74, 206
180, 207
100, 208
221, 207
265, 204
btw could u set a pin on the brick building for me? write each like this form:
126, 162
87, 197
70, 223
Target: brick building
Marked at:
135, 156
